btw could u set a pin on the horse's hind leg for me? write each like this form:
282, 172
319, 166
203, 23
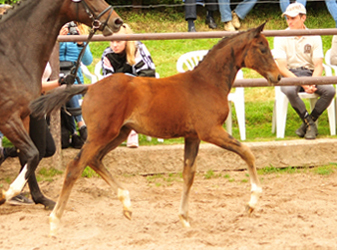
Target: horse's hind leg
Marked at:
97, 165
18, 135
221, 138
44, 142
122, 194
91, 154
191, 152
73, 171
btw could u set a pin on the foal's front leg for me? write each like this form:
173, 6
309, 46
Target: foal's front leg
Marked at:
191, 152
222, 139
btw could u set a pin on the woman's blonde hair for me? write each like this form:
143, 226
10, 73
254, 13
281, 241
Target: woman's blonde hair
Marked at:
4, 7
84, 29
130, 47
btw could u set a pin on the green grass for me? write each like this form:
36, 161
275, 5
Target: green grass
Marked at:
325, 170
165, 180
89, 173
47, 174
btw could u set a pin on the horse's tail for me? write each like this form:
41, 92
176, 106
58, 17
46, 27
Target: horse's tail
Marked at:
55, 99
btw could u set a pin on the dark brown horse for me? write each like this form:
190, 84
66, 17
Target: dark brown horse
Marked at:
28, 34
192, 105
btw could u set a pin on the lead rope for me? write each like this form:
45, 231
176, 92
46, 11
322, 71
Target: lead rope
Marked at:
70, 79
73, 72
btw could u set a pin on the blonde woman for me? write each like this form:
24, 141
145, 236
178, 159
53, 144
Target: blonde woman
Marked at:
129, 57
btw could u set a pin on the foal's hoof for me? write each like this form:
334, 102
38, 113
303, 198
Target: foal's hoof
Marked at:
3, 197
249, 209
184, 221
127, 214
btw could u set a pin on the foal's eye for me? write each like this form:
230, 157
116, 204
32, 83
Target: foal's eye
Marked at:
263, 50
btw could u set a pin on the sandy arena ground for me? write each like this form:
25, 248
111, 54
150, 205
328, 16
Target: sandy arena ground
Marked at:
296, 211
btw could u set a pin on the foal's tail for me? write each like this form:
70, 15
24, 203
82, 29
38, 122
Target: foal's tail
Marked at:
55, 99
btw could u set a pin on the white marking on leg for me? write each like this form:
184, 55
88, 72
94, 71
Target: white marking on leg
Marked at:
256, 188
17, 185
54, 223
124, 196
256, 192
183, 211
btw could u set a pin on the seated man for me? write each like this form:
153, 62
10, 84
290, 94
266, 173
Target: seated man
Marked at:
302, 56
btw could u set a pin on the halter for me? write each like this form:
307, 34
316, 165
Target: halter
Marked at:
96, 24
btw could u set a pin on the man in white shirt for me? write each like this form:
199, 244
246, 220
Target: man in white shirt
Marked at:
302, 56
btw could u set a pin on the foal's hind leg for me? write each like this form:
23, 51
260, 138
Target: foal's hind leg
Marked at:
191, 152
97, 165
91, 154
221, 138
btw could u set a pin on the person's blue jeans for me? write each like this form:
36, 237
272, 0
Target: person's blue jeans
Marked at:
284, 4
242, 9
332, 7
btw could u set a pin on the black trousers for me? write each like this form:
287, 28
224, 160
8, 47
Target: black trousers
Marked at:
326, 93
191, 8
41, 137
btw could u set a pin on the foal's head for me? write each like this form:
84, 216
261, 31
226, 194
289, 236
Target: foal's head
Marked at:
259, 57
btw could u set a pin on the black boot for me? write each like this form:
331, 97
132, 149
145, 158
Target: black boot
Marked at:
210, 20
191, 26
83, 132
302, 130
311, 128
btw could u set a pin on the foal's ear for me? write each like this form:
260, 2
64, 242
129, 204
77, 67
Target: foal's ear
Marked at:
259, 29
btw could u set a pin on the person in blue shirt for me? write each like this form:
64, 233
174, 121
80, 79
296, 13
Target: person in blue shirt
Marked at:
69, 52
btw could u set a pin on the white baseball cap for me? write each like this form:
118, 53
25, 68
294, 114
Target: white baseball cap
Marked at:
294, 9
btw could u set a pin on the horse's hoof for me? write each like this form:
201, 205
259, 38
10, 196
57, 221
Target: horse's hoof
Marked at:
2, 198
184, 221
249, 209
49, 205
124, 197
127, 214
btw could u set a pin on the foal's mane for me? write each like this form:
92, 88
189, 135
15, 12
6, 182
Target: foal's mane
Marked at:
15, 6
222, 43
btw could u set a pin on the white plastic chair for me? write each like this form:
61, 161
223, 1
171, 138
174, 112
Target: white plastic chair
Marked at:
87, 73
98, 70
281, 109
191, 59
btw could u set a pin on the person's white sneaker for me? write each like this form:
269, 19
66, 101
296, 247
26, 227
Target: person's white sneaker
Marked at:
132, 141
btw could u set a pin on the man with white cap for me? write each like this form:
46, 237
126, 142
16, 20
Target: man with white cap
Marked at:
302, 56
